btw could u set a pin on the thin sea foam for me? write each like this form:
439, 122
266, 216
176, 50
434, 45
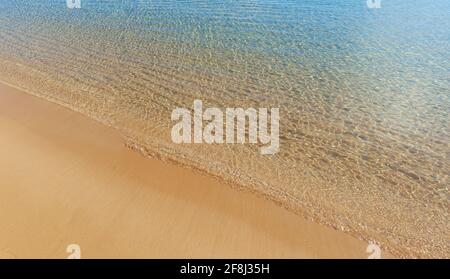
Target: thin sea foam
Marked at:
363, 96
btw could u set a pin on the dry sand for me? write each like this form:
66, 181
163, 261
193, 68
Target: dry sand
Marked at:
67, 179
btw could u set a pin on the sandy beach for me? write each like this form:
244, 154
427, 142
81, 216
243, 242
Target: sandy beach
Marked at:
66, 179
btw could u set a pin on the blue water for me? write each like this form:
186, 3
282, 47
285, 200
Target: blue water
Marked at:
364, 96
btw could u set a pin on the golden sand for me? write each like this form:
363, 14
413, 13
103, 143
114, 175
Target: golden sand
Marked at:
67, 179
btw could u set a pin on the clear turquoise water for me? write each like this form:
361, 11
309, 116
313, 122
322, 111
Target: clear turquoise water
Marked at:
364, 96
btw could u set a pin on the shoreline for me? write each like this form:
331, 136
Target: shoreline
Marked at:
69, 179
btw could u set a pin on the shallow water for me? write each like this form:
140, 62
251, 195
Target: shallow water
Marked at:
364, 96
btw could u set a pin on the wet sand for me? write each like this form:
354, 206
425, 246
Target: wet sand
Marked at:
65, 179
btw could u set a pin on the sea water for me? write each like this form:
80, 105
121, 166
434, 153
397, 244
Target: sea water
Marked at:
363, 94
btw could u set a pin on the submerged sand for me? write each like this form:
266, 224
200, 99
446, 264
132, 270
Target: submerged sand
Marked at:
67, 179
